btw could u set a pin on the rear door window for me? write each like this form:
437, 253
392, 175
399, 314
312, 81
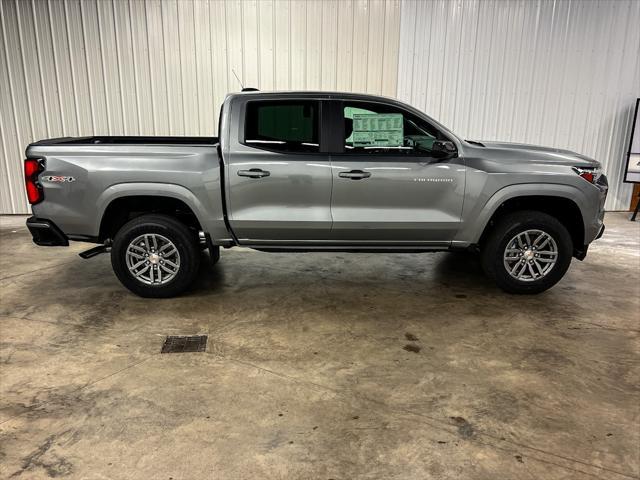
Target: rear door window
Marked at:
289, 126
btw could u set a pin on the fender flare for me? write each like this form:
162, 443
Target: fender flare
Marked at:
152, 189
483, 214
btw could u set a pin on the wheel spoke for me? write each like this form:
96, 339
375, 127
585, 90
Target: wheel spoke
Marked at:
144, 270
164, 247
168, 270
147, 255
522, 270
524, 258
138, 264
169, 262
170, 252
513, 270
546, 260
546, 240
137, 247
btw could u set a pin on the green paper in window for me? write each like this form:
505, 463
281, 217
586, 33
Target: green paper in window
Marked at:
378, 130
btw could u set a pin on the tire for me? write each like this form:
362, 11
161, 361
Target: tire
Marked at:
536, 276
179, 268
214, 254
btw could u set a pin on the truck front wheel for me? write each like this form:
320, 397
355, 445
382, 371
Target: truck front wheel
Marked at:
155, 256
527, 252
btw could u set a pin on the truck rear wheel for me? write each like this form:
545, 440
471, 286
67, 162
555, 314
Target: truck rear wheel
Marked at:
527, 252
155, 256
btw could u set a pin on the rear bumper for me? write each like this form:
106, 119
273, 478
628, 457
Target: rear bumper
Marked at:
46, 233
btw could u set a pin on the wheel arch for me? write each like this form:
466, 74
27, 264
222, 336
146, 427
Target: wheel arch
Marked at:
564, 202
563, 208
121, 203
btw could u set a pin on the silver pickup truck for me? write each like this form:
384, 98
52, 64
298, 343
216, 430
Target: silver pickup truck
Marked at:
315, 171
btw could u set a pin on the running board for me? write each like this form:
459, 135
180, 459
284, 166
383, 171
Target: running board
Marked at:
92, 252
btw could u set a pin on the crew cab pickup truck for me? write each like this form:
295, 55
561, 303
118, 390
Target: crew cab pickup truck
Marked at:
315, 171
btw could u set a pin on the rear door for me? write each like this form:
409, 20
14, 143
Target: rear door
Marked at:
389, 186
278, 176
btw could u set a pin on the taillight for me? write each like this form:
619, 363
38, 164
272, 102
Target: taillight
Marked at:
32, 168
589, 174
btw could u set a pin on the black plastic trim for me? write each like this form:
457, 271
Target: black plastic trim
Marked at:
46, 233
339, 249
223, 191
92, 252
121, 140
83, 238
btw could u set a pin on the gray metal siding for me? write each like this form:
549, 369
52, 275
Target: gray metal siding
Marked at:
120, 67
555, 73
558, 73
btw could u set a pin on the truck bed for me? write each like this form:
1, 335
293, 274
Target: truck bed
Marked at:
115, 140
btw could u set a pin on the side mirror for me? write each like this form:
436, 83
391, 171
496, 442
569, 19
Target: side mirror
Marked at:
443, 148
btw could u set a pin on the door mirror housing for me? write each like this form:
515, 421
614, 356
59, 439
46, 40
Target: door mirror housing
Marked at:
443, 148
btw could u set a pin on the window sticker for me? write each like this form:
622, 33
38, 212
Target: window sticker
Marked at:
378, 130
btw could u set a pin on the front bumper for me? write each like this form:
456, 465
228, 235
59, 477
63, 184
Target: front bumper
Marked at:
46, 233
581, 254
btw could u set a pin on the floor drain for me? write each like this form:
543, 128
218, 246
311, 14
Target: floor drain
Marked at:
184, 344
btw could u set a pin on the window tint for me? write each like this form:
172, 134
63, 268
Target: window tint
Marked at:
285, 126
371, 128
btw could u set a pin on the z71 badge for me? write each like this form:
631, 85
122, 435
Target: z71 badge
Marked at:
58, 179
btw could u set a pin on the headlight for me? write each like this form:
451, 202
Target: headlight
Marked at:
591, 175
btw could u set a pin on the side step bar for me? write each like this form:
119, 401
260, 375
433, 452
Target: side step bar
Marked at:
92, 252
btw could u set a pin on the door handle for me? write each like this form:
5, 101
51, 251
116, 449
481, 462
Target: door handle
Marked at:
253, 173
355, 174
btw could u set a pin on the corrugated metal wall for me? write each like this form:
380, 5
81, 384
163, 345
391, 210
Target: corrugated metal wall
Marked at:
560, 73
556, 73
133, 67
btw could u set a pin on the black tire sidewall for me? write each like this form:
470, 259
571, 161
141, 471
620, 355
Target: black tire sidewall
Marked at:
214, 254
175, 231
513, 224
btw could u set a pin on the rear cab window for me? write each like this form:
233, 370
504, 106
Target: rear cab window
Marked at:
289, 126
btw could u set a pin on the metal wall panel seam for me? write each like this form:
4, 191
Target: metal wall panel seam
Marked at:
119, 65
12, 97
86, 62
55, 68
104, 71
135, 68
24, 69
40, 76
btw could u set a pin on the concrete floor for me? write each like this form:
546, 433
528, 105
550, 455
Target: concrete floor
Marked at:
320, 366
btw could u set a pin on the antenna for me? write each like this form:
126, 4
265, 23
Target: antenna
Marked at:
234, 74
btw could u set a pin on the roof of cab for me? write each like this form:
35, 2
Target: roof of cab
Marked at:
311, 93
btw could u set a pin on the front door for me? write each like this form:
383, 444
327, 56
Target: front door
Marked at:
278, 180
389, 186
